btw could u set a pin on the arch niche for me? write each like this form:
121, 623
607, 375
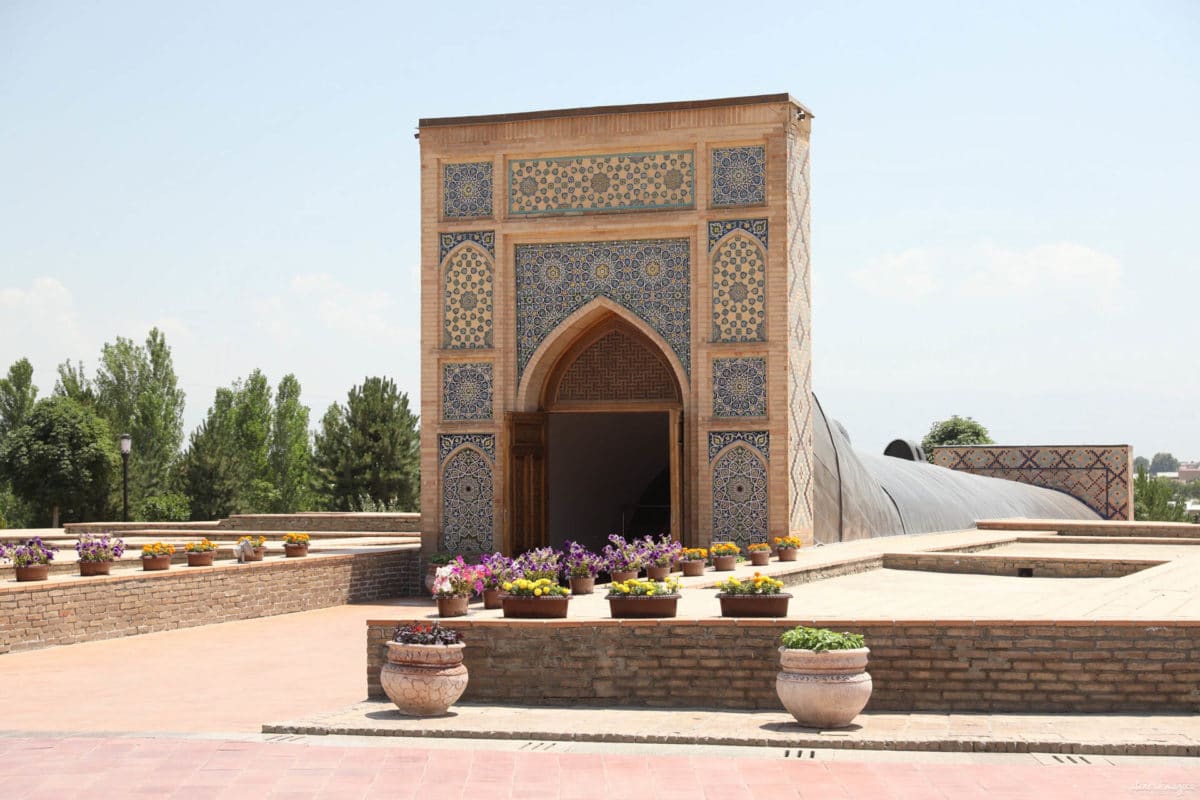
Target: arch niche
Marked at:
598, 445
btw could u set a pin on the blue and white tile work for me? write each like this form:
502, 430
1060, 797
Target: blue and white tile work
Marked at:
617, 182
467, 300
719, 440
449, 442
739, 176
650, 277
739, 387
739, 497
467, 390
739, 287
468, 503
485, 239
467, 190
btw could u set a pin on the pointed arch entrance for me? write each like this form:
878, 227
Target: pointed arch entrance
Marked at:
603, 451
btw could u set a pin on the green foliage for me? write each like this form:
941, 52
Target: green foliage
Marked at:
1163, 462
954, 431
170, 507
289, 453
17, 396
73, 383
819, 639
1154, 499
1141, 462
63, 457
369, 448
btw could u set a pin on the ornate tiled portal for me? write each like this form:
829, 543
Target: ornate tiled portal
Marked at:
739, 284
620, 182
739, 497
467, 496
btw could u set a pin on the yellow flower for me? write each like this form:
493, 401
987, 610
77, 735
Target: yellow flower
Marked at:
537, 592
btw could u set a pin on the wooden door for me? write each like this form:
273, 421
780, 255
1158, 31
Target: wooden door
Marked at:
675, 442
527, 482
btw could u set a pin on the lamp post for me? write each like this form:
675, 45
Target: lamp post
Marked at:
126, 446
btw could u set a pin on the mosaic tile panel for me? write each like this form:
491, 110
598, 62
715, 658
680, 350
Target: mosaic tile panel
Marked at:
739, 497
650, 277
617, 367
485, 239
469, 278
467, 190
1099, 477
468, 511
449, 442
799, 304
739, 387
720, 228
739, 290
467, 390
719, 440
739, 176
617, 182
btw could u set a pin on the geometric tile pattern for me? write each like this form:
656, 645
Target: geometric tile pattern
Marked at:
467, 190
467, 503
618, 182
719, 440
718, 229
799, 303
739, 176
1099, 477
485, 239
467, 390
739, 497
449, 442
739, 289
617, 367
739, 387
650, 277
467, 299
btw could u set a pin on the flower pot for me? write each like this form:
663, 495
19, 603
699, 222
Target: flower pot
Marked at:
452, 606
692, 569
33, 572
659, 605
585, 584
424, 680
760, 558
491, 598
430, 575
754, 605
520, 607
295, 550
203, 558
656, 573
788, 554
89, 568
258, 554
724, 563
156, 563
826, 689
623, 575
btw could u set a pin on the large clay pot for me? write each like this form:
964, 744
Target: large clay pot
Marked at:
583, 585
520, 607
259, 552
156, 563
826, 689
754, 605
295, 550
656, 573
760, 558
692, 569
491, 598
628, 607
424, 680
724, 563
89, 568
430, 575
452, 606
33, 572
201, 559
788, 554
622, 576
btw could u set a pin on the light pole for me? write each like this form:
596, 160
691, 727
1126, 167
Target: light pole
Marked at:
126, 446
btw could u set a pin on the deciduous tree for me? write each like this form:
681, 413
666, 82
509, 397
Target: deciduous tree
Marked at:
954, 431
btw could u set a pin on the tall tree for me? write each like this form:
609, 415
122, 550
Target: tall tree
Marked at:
954, 431
73, 383
367, 451
1153, 499
17, 396
1141, 462
289, 452
1163, 462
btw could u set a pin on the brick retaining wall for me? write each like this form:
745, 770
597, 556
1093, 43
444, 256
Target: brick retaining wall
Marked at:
43, 614
387, 522
1033, 667
1041, 566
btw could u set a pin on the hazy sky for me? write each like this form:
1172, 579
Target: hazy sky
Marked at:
1004, 197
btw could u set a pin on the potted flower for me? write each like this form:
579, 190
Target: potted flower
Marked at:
494, 571
643, 598
758, 596
623, 559
693, 561
760, 554
725, 555
201, 553
424, 674
258, 544
97, 553
582, 567
431, 567
452, 587
786, 547
31, 561
823, 680
543, 562
541, 598
662, 554
295, 545
157, 557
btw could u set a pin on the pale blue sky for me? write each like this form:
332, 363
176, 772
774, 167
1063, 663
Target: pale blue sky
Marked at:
1004, 196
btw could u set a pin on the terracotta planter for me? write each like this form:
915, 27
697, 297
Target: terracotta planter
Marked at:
259, 552
491, 598
295, 550
430, 574
424, 680
754, 605
621, 577
33, 572
518, 607
583, 585
452, 606
658, 573
156, 563
660, 605
201, 559
692, 569
826, 689
724, 563
89, 568
787, 555
760, 558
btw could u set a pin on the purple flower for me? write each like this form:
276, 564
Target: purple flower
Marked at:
581, 562
623, 556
